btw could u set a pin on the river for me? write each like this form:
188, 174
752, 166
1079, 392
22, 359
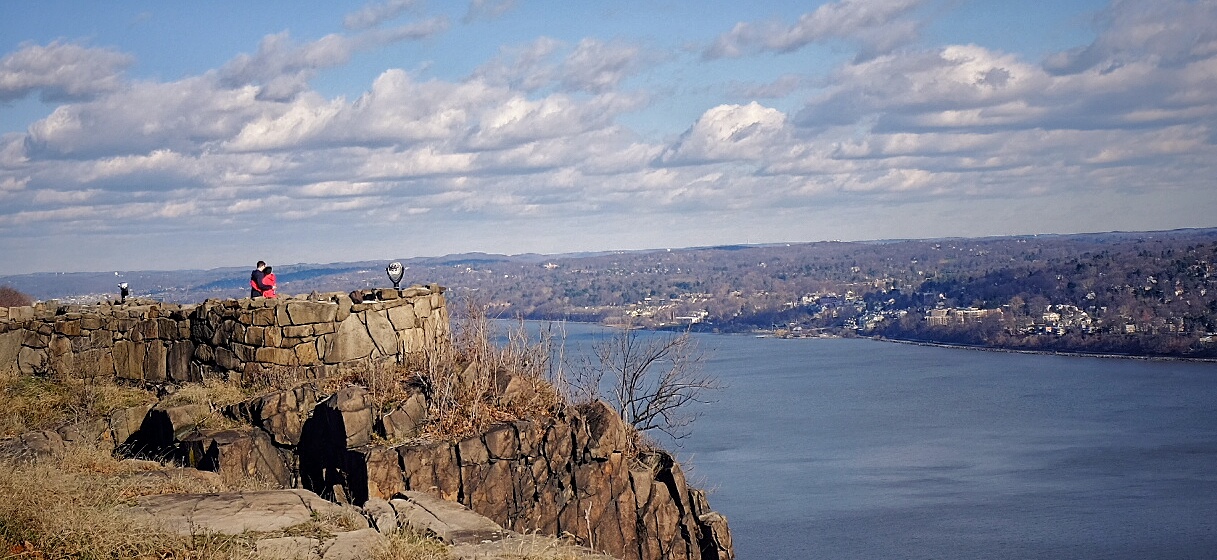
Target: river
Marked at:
852, 449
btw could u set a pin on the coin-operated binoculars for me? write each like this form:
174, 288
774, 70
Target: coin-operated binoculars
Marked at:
396, 272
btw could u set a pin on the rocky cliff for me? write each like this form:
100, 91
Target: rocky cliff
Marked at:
568, 473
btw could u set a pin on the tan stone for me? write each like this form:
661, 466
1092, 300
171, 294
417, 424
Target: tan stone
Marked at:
351, 342
277, 356
381, 331
310, 312
402, 317
306, 354
422, 307
155, 368
298, 331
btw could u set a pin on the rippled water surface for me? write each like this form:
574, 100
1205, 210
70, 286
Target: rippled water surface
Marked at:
861, 449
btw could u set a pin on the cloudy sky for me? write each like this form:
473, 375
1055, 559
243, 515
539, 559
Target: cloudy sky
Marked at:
170, 135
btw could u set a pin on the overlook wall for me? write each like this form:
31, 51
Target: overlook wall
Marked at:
157, 342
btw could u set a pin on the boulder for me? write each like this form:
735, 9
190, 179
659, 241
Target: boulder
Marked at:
236, 454
403, 421
447, 521
32, 446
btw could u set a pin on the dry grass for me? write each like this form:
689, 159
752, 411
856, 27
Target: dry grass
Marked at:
48, 402
74, 508
464, 380
408, 545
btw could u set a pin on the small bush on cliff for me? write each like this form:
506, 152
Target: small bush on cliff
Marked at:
472, 383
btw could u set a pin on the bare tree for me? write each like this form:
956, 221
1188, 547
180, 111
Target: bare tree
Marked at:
650, 379
11, 297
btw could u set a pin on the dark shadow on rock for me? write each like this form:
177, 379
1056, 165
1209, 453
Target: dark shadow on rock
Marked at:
322, 452
153, 440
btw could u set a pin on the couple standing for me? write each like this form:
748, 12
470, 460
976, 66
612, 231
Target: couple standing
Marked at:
262, 281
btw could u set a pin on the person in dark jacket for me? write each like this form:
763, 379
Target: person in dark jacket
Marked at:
256, 285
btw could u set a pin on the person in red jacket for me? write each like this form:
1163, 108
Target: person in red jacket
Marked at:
256, 286
268, 280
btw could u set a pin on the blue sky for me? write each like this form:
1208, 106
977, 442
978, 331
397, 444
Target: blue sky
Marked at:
169, 135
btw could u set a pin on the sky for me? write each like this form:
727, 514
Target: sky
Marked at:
184, 135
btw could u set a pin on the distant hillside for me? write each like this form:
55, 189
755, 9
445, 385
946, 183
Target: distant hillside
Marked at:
1046, 290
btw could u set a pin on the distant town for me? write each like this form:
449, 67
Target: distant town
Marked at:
1133, 294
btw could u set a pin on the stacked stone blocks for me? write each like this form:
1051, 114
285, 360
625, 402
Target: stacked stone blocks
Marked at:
155, 342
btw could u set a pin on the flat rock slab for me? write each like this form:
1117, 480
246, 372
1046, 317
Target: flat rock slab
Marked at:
451, 522
234, 513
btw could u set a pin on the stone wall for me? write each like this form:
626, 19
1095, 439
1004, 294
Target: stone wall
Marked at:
156, 342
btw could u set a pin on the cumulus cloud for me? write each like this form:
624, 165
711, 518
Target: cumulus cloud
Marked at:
730, 132
62, 71
875, 25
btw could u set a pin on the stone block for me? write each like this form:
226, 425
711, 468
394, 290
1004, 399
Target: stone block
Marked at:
272, 336
263, 317
606, 432
382, 333
68, 328
10, 347
351, 342
129, 360
431, 468
177, 360
311, 312
255, 336
95, 362
404, 421
381, 470
155, 360
237, 454
422, 307
124, 422
166, 328
402, 317
306, 354
90, 322
227, 359
276, 356
473, 452
298, 331
352, 414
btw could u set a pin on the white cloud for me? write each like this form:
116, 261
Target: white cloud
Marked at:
731, 132
874, 24
375, 13
598, 67
62, 71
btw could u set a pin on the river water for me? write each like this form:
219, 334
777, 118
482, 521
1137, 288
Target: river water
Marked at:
847, 448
